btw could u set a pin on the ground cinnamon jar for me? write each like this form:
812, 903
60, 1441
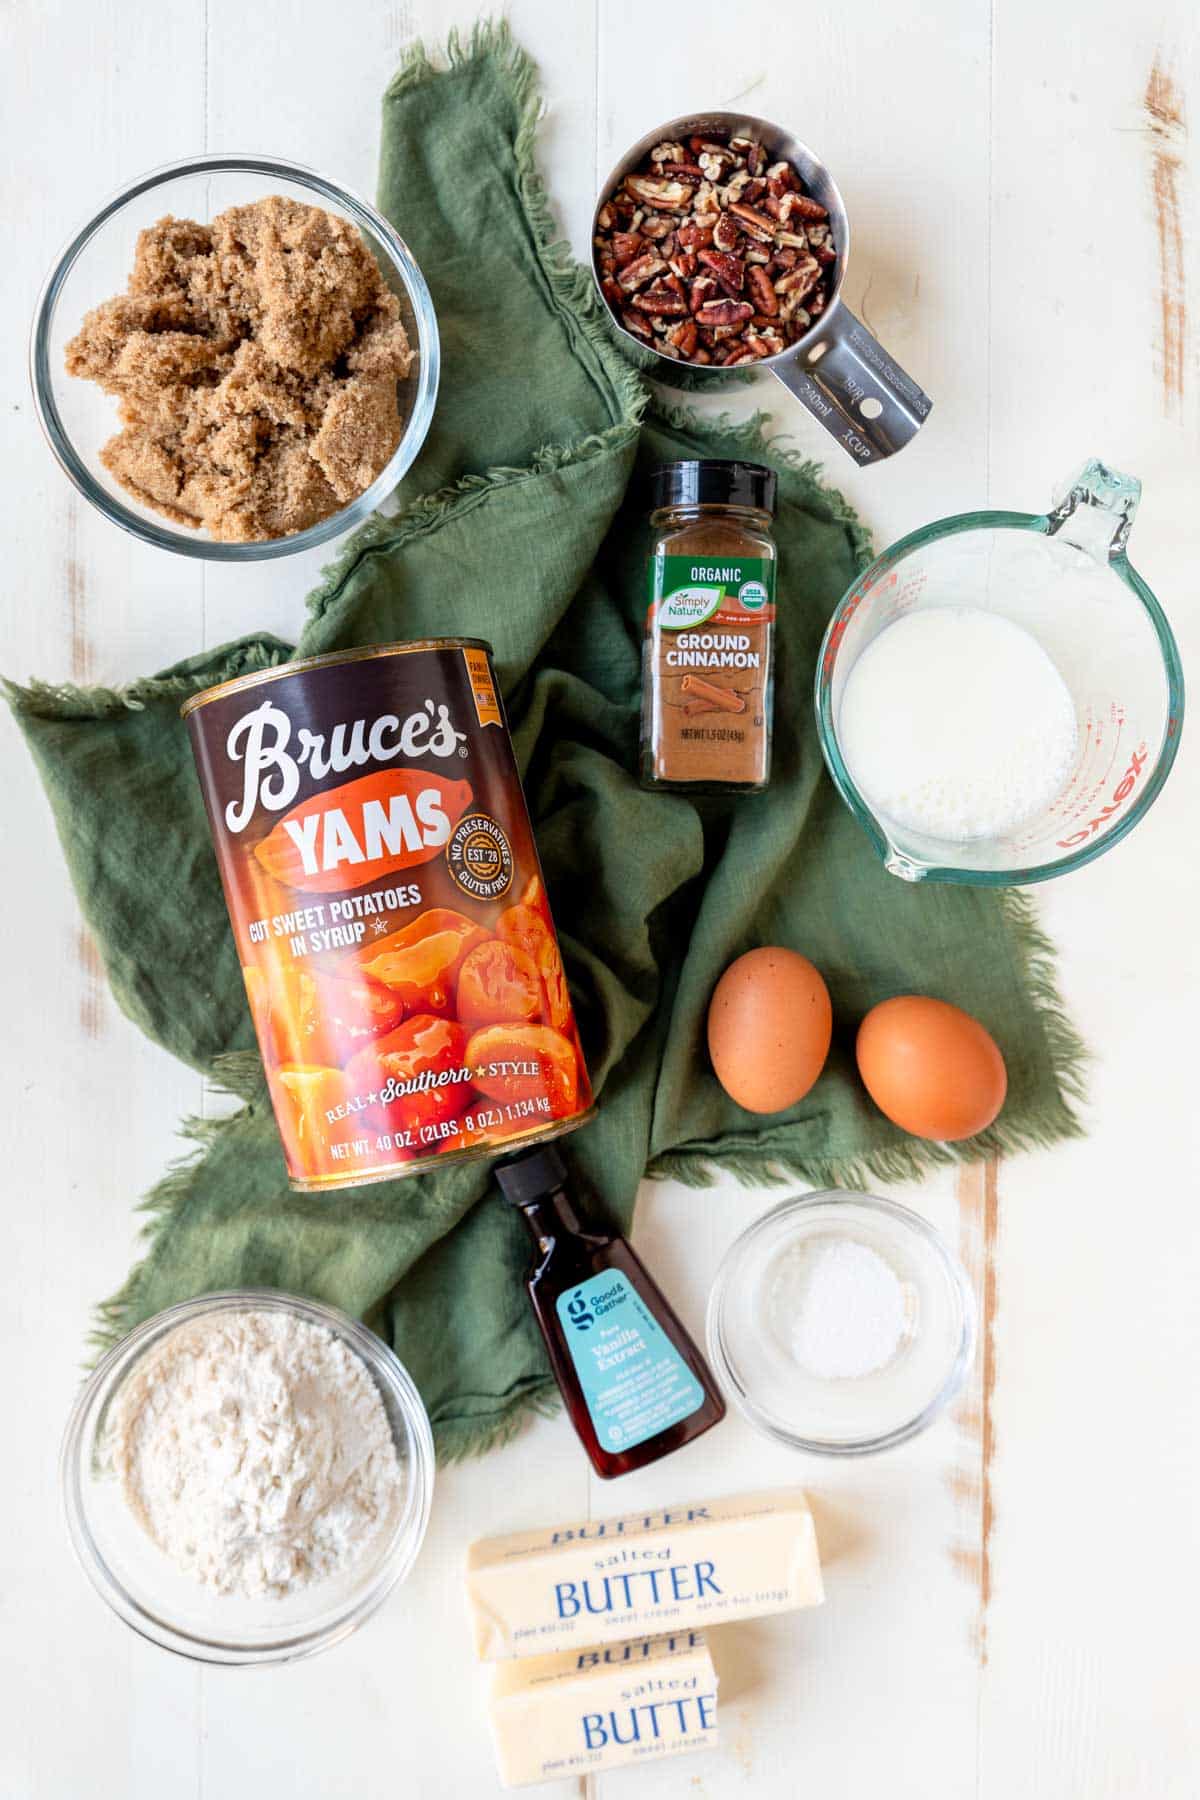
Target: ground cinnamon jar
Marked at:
706, 660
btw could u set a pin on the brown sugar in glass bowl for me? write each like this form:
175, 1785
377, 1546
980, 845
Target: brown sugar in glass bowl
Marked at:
306, 338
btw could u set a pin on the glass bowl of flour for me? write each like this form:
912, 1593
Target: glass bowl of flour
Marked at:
841, 1323
247, 1476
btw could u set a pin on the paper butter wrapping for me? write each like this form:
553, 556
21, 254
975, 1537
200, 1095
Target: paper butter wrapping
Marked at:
643, 1574
578, 1712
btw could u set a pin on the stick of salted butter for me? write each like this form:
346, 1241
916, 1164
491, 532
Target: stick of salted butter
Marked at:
577, 1712
643, 1574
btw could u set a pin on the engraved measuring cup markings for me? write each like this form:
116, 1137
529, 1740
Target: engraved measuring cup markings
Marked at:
838, 370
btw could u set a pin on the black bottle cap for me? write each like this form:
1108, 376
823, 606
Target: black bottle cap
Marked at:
530, 1174
713, 483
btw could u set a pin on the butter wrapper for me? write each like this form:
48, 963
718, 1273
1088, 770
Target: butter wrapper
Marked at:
643, 1574
580, 1712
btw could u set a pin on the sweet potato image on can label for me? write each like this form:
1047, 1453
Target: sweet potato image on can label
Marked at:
420, 962
498, 982
375, 826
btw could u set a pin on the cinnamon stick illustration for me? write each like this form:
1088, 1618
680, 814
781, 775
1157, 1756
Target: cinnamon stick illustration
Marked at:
723, 698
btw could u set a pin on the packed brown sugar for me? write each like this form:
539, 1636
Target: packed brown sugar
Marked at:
255, 360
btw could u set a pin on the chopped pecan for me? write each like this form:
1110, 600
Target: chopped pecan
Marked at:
637, 323
703, 288
684, 336
807, 208
663, 196
715, 164
761, 291
726, 234
693, 236
641, 270
707, 202
611, 291
658, 225
754, 224
802, 279
666, 152
626, 245
735, 188
724, 312
661, 300
606, 218
684, 264
728, 270
784, 174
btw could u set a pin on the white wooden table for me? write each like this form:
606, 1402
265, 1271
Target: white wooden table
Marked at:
1011, 1598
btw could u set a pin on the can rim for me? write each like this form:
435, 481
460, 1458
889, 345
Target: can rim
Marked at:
365, 653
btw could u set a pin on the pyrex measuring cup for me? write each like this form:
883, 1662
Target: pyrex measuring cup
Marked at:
842, 374
1063, 576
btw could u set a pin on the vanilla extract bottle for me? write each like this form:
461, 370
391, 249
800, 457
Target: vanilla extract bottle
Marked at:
635, 1385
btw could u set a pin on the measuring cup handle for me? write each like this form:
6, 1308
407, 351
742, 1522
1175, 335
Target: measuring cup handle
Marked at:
848, 381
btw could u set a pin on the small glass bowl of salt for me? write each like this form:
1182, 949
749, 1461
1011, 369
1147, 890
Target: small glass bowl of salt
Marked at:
841, 1323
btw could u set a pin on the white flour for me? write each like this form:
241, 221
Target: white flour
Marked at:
253, 1447
956, 723
839, 1308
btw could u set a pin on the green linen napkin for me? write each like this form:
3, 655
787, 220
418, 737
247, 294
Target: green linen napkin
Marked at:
524, 523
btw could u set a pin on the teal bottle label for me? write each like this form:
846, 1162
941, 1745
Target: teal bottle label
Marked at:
635, 1383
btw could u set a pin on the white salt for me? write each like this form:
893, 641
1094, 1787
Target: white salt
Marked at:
840, 1309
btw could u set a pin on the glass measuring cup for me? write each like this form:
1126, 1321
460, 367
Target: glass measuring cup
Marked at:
1065, 578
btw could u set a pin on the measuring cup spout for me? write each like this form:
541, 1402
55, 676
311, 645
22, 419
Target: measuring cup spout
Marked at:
897, 863
1097, 511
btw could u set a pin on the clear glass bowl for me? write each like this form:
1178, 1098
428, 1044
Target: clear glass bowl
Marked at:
849, 1415
171, 1608
78, 419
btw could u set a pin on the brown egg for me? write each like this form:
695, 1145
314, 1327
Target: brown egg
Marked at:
931, 1068
769, 1026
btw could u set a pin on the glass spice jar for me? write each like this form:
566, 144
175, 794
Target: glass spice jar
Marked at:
707, 652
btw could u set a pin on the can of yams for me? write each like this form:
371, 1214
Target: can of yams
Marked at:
389, 910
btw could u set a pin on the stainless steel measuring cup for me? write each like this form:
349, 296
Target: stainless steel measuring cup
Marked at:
838, 370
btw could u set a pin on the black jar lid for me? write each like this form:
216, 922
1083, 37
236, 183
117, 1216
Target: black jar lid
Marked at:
713, 482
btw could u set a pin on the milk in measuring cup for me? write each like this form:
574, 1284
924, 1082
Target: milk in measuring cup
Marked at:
956, 723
